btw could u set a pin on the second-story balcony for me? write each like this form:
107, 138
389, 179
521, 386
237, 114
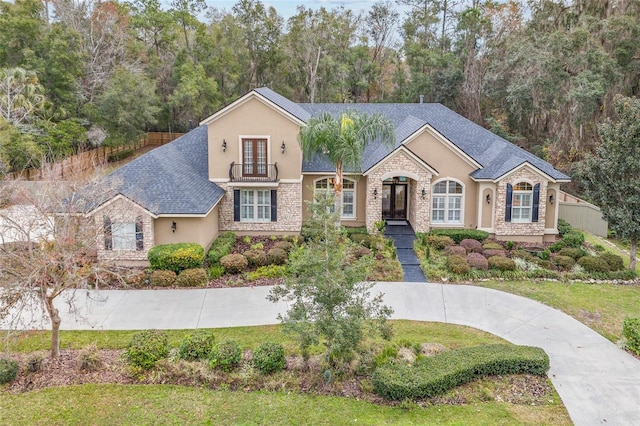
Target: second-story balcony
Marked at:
253, 172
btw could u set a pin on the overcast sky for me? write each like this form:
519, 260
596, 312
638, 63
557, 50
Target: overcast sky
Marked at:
287, 8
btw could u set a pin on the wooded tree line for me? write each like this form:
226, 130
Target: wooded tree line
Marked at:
540, 73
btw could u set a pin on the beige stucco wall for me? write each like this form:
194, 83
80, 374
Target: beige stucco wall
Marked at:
201, 230
254, 118
123, 210
449, 164
361, 197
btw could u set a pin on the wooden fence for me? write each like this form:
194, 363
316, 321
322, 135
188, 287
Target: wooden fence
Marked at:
89, 160
582, 215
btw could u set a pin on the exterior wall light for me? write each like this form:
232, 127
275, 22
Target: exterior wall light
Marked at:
551, 199
224, 145
424, 193
174, 226
282, 147
375, 194
488, 198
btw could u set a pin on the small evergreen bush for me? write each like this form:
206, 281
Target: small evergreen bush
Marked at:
225, 355
631, 331
163, 278
460, 234
556, 247
196, 345
455, 250
563, 227
439, 242
494, 252
615, 262
196, 277
256, 257
502, 263
216, 271
276, 256
593, 264
8, 370
573, 238
477, 261
176, 257
269, 271
564, 263
234, 263
283, 245
575, 253
269, 357
146, 348
492, 245
221, 247
457, 265
471, 245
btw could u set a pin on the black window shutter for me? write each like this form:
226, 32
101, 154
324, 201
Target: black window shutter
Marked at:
536, 203
108, 238
139, 234
236, 205
274, 205
509, 203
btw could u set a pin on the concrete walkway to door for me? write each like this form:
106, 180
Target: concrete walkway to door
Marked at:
598, 382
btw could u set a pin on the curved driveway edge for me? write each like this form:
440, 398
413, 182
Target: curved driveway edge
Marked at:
598, 382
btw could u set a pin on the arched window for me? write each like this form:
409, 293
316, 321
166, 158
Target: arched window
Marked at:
446, 202
348, 194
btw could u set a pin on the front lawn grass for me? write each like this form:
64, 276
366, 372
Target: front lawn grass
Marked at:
175, 405
451, 336
602, 307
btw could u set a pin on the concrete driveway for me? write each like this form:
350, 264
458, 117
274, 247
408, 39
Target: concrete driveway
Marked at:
598, 382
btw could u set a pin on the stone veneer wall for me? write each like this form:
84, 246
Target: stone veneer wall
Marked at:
124, 211
289, 211
401, 164
503, 228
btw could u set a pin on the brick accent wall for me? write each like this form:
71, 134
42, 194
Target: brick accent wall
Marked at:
508, 229
124, 211
401, 164
289, 211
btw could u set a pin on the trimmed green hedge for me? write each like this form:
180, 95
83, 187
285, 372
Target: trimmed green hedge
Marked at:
221, 247
458, 235
176, 257
438, 374
631, 331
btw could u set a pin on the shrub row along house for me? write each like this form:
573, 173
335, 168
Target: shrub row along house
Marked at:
242, 170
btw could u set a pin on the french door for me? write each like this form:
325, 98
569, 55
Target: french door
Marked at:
394, 201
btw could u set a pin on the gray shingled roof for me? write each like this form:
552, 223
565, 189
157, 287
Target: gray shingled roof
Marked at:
171, 179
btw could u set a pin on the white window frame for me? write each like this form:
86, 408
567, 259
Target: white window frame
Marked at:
255, 205
522, 202
351, 191
445, 200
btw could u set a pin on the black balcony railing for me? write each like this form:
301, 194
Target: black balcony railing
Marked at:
253, 172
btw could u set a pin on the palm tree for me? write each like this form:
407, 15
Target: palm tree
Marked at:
343, 140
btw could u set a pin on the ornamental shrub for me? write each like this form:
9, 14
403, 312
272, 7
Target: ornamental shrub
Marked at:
163, 278
573, 238
492, 245
460, 234
615, 262
435, 375
225, 355
256, 257
631, 331
563, 227
493, 252
234, 263
269, 357
575, 253
439, 242
216, 271
502, 263
196, 345
89, 358
146, 348
196, 277
283, 245
455, 250
471, 245
269, 271
221, 247
457, 265
362, 239
176, 257
556, 247
276, 256
564, 263
593, 264
8, 370
477, 261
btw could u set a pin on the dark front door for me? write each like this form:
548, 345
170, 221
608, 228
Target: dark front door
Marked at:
394, 201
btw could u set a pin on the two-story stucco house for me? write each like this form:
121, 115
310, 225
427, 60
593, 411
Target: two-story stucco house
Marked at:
242, 170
